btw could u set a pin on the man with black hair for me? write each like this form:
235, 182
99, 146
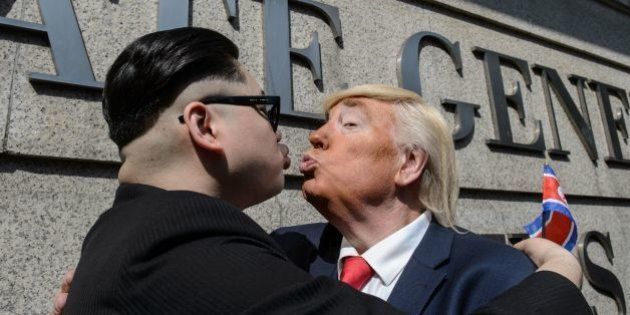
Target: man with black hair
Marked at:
198, 143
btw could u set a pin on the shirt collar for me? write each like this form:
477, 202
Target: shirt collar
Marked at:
390, 256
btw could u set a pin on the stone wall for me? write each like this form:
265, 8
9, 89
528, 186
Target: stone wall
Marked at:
58, 168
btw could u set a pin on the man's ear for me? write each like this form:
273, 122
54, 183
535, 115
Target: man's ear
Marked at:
200, 122
412, 167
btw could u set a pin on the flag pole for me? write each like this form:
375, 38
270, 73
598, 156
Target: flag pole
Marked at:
544, 219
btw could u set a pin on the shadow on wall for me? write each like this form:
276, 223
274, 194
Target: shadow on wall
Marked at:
586, 20
6, 6
60, 167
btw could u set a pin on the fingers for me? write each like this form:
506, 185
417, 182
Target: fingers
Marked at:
59, 302
539, 250
67, 280
533, 243
550, 256
521, 245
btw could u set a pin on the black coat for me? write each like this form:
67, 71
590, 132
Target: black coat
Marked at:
179, 252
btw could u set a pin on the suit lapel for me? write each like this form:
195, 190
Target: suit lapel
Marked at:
328, 252
424, 272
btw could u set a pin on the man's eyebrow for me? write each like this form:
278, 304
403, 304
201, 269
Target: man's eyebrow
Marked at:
352, 102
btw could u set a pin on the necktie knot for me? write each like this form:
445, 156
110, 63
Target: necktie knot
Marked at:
356, 272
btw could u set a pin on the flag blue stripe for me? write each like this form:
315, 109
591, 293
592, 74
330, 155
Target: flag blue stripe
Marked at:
547, 169
534, 226
556, 207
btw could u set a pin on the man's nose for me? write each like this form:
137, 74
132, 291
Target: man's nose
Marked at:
318, 139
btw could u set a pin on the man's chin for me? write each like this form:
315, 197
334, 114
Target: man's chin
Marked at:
278, 185
308, 189
274, 187
316, 200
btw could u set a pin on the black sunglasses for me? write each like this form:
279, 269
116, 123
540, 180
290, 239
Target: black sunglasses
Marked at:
266, 106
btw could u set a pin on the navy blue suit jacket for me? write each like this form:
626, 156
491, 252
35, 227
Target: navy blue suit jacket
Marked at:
448, 273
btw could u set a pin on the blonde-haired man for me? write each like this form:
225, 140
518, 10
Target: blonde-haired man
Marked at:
382, 171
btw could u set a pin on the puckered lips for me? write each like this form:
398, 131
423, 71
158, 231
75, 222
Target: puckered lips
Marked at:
286, 162
307, 166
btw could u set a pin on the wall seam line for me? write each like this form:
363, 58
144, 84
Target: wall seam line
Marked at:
5, 139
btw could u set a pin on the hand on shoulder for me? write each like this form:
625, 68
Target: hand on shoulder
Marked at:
550, 256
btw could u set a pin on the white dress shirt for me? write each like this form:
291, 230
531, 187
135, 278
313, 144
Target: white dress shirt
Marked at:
388, 257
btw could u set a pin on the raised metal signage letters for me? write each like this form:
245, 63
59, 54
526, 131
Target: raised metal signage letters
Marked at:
66, 44
278, 51
601, 279
408, 64
176, 13
464, 119
581, 124
613, 122
500, 101
408, 60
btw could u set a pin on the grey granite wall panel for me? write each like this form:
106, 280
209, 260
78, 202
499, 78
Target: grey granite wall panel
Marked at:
54, 184
46, 208
8, 51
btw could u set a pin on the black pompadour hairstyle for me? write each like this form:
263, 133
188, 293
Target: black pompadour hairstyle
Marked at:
152, 71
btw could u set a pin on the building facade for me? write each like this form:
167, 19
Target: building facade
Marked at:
520, 82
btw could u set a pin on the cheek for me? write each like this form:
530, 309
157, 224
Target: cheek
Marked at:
376, 156
258, 150
359, 173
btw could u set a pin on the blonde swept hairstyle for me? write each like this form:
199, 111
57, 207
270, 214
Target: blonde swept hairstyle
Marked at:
418, 126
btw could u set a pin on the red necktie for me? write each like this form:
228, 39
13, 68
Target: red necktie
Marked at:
356, 272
